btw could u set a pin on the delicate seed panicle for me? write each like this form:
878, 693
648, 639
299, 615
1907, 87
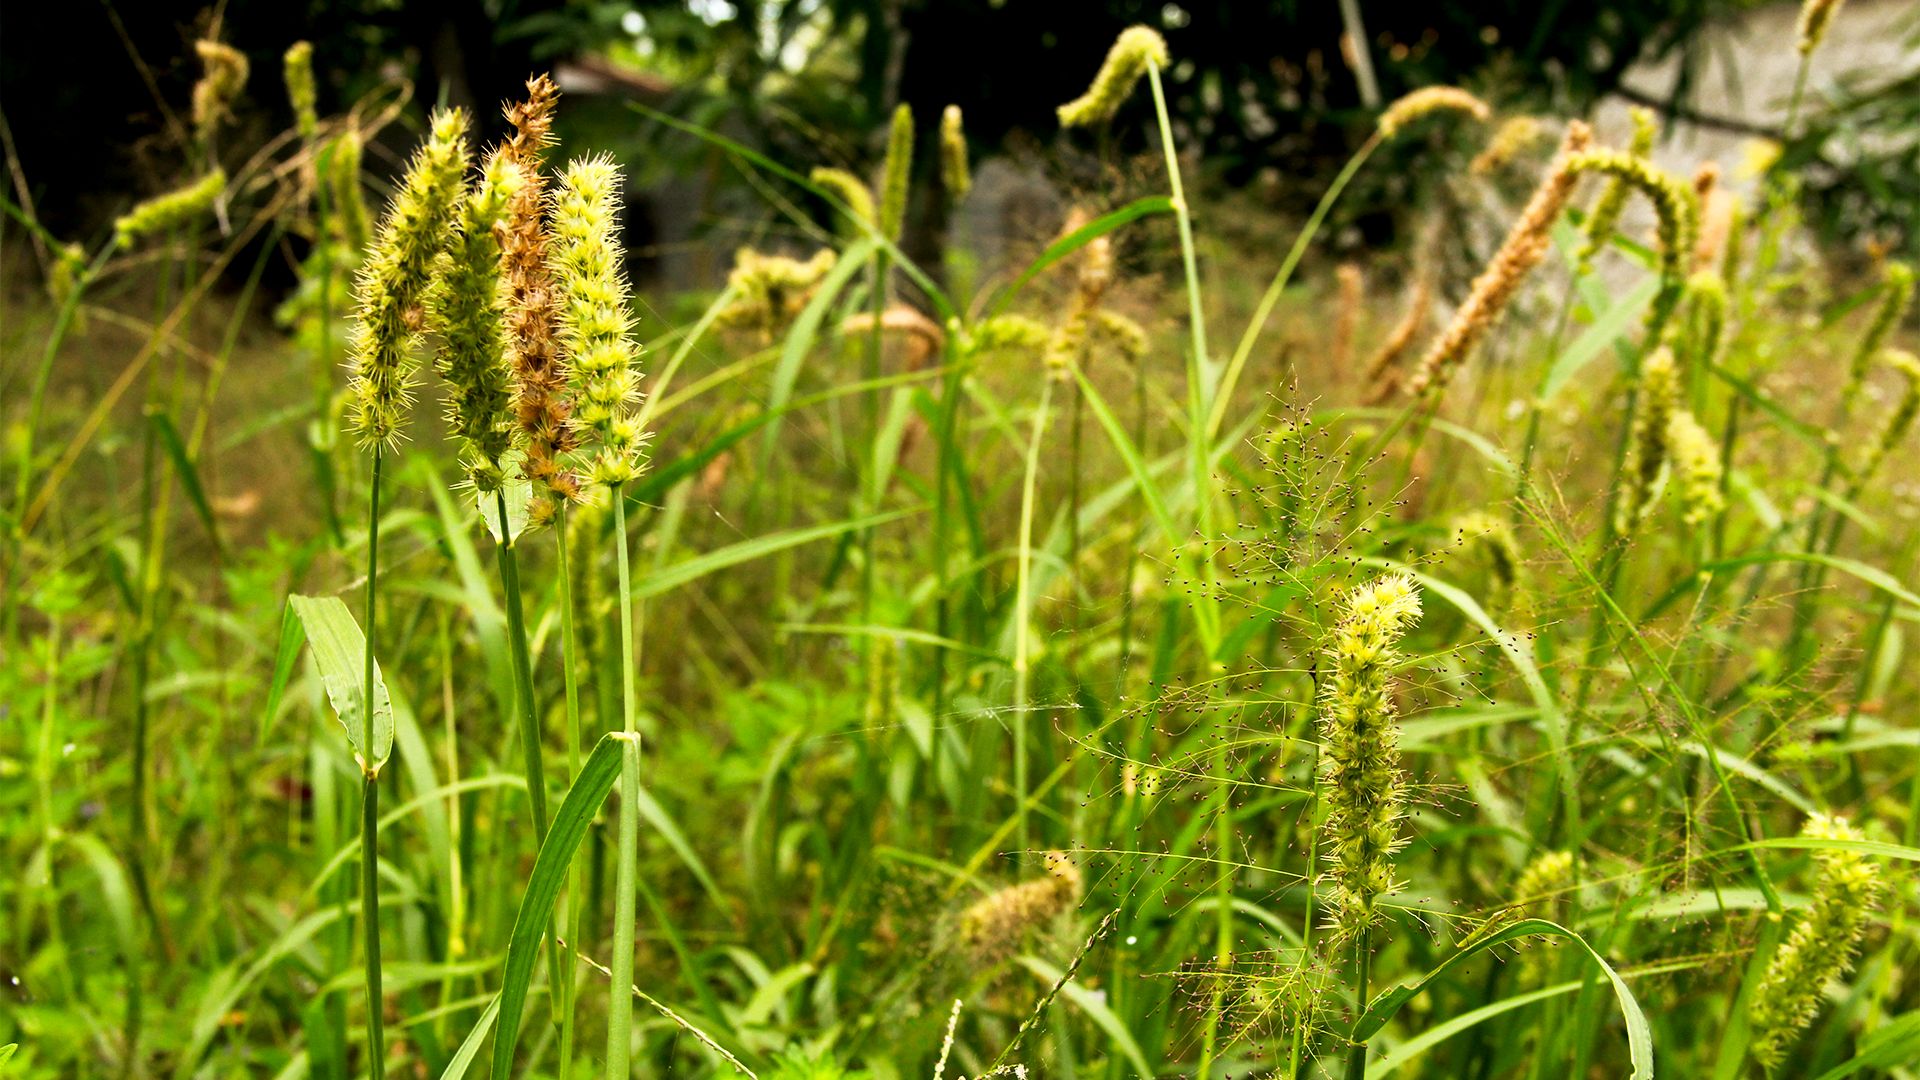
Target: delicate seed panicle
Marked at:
1364, 788
1427, 101
1126, 63
394, 281
1821, 945
604, 376
1525, 246
170, 210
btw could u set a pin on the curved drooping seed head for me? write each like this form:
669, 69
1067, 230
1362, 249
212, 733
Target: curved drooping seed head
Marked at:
170, 209
1821, 945
1137, 48
595, 326
1895, 298
394, 280
1604, 219
1525, 246
1363, 785
1511, 139
1428, 101
469, 310
223, 76
955, 173
896, 173
297, 69
851, 192
1676, 211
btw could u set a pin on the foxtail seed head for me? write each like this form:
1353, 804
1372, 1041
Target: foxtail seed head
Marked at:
595, 325
1895, 299
1427, 101
1820, 946
994, 926
896, 173
1696, 468
1659, 396
770, 290
954, 171
297, 68
1526, 244
169, 210
1360, 750
1704, 302
1007, 333
468, 308
224, 75
1815, 17
849, 189
347, 207
1511, 139
1675, 209
1133, 51
540, 404
1604, 218
394, 281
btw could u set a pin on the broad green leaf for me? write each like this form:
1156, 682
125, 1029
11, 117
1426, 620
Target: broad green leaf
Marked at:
1897, 1044
1639, 1035
470, 1046
183, 467
339, 650
667, 578
516, 494
569, 826
1612, 325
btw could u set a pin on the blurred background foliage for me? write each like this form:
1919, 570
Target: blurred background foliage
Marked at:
1270, 95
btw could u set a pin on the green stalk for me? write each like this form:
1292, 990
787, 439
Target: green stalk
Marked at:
626, 874
522, 671
1022, 615
1362, 970
370, 802
563, 979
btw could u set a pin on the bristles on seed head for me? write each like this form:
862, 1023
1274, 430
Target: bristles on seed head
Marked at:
1137, 48
1427, 101
954, 171
604, 376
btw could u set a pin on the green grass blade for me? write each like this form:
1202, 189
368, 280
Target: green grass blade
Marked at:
338, 651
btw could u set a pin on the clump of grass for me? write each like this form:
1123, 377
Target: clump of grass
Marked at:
1821, 946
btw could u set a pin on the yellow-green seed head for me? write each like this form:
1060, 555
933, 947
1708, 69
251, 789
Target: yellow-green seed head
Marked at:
896, 173
224, 75
1127, 337
1896, 297
1008, 333
297, 67
1821, 945
770, 290
1427, 101
1126, 62
954, 171
1675, 207
170, 210
1360, 750
596, 329
1604, 218
348, 219
1511, 139
849, 190
393, 282
1815, 17
468, 306
1705, 304
1696, 468
1659, 396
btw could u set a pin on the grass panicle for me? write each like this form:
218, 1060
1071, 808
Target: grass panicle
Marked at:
1429, 101
223, 77
595, 326
468, 310
896, 173
1126, 64
171, 210
955, 174
297, 72
1675, 209
1603, 219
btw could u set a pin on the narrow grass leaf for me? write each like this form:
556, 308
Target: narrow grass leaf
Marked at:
339, 649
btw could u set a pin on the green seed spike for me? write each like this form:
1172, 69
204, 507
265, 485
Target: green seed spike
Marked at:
468, 310
394, 281
297, 69
175, 208
595, 325
1647, 447
954, 170
849, 189
1427, 101
1126, 64
896, 173
1604, 218
1675, 207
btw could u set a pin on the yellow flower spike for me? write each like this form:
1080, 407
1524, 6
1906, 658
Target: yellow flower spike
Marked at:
595, 326
1427, 101
1125, 65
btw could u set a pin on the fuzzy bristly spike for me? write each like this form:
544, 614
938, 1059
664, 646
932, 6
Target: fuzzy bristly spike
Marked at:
394, 281
851, 192
468, 308
1675, 208
604, 379
1513, 137
540, 404
1427, 101
1896, 297
297, 69
169, 210
1815, 18
955, 174
1647, 446
1820, 946
896, 173
224, 74
1697, 469
1523, 249
1604, 218
1126, 64
1364, 788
